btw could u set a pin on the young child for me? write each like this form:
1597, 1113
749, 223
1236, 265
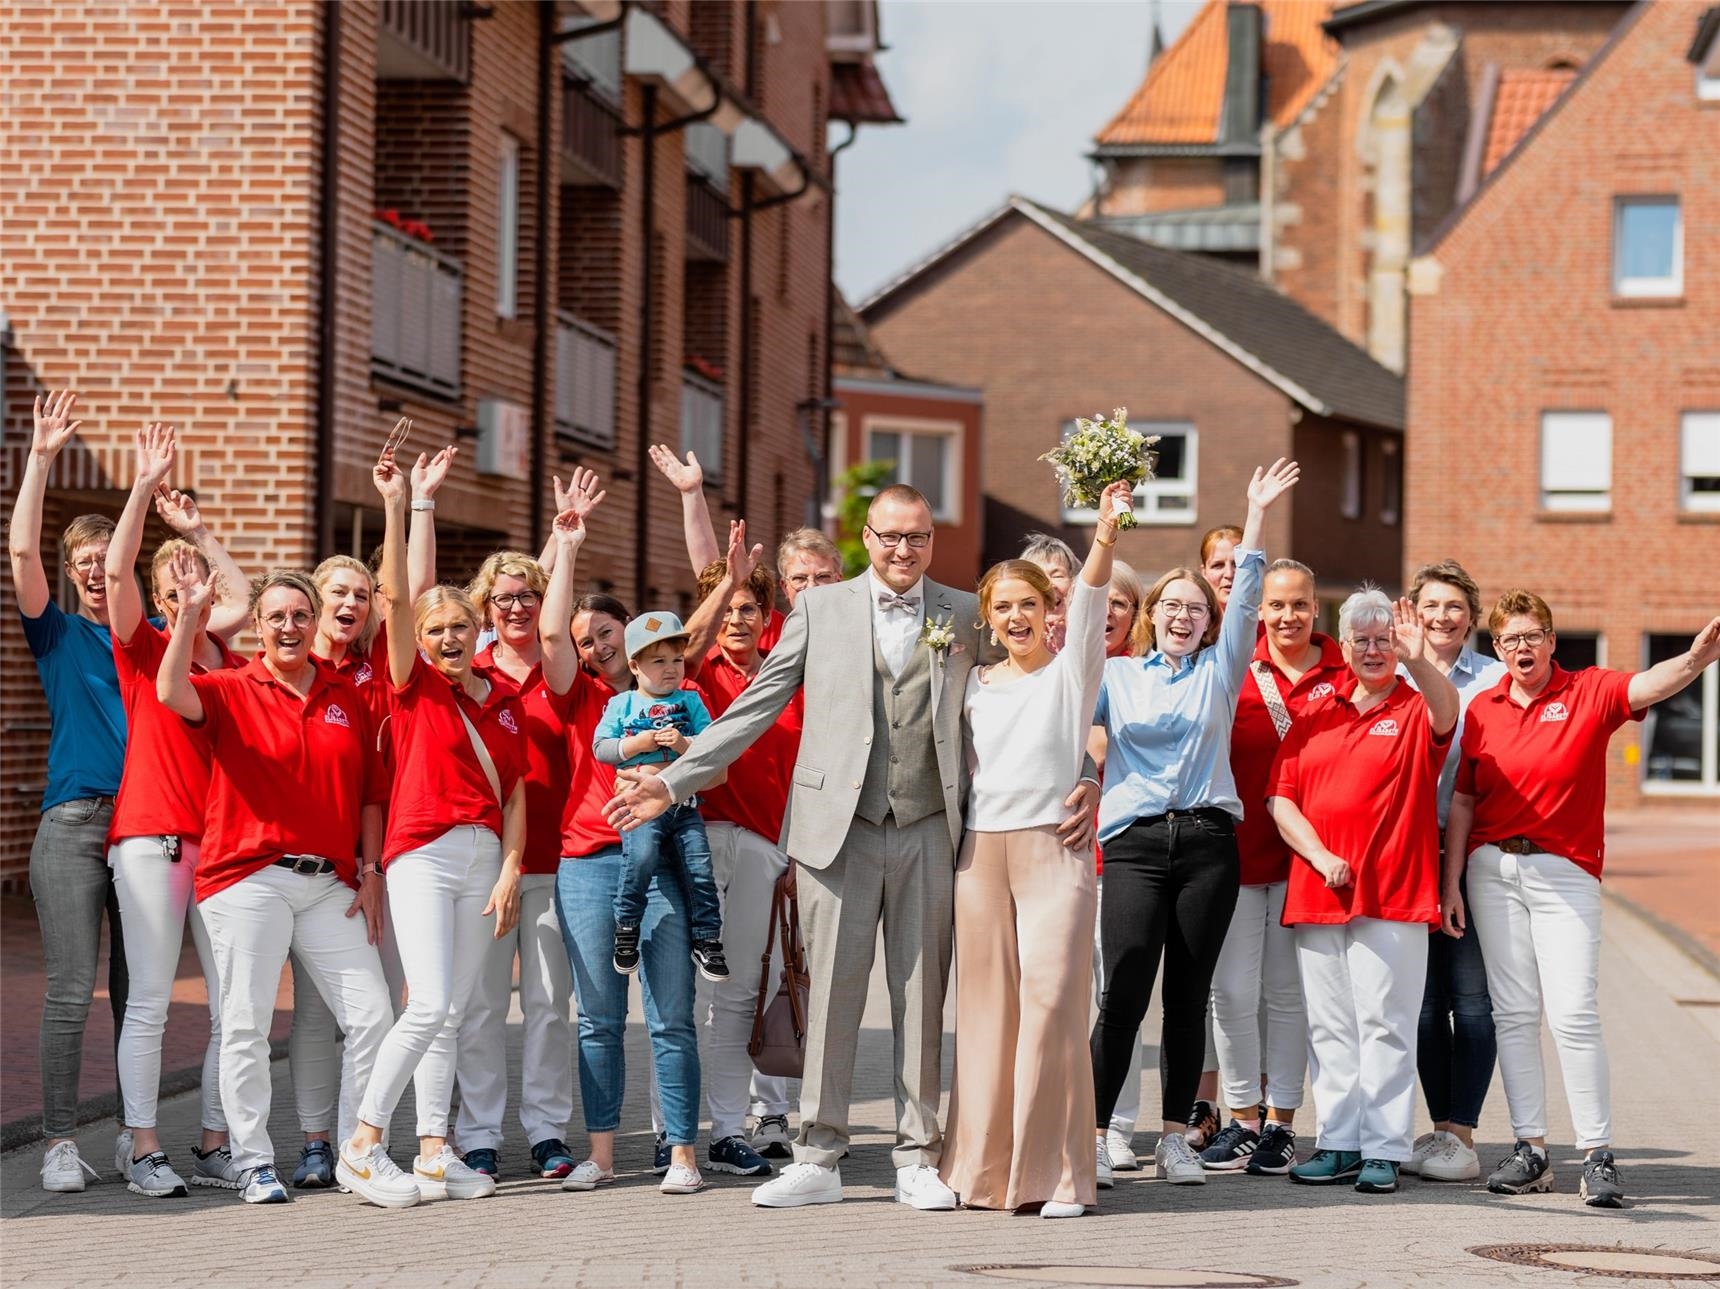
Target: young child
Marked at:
649, 726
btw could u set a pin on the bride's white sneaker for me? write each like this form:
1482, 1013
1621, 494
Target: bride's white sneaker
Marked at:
919, 1186
802, 1184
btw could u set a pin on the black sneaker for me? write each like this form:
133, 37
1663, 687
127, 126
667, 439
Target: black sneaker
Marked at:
1202, 1124
1275, 1153
481, 1159
1600, 1185
660, 1155
626, 949
707, 957
734, 1155
1231, 1149
1522, 1172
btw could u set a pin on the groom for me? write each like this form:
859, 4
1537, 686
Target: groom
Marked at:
874, 821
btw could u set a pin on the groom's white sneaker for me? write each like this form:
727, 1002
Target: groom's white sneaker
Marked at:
919, 1186
802, 1184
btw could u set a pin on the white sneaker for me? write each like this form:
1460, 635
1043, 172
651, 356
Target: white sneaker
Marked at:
1102, 1164
446, 1176
1424, 1146
587, 1177
122, 1160
1449, 1160
153, 1178
63, 1168
681, 1180
919, 1186
1174, 1161
1121, 1151
372, 1175
1057, 1208
263, 1186
801, 1184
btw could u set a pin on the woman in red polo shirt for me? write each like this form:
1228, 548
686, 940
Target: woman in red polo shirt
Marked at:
1354, 793
1293, 665
1528, 817
294, 787
456, 833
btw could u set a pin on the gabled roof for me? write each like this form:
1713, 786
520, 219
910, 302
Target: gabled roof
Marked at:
1523, 97
1266, 332
1182, 98
858, 95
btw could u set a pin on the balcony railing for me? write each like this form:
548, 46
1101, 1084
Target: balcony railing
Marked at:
590, 136
702, 423
707, 221
423, 40
584, 382
415, 304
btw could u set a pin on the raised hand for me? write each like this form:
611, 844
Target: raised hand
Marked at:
1705, 648
1116, 498
54, 424
568, 528
1273, 482
582, 495
156, 449
178, 510
1409, 637
196, 590
741, 560
687, 476
429, 472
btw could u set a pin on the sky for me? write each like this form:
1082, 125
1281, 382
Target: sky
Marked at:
1001, 97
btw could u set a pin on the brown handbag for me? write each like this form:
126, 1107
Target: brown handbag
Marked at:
778, 1043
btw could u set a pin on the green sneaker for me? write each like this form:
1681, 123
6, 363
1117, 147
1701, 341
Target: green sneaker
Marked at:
1326, 1167
1378, 1177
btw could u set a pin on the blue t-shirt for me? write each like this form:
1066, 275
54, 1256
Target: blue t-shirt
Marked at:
86, 743
635, 711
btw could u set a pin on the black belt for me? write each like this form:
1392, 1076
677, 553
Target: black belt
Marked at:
1207, 814
306, 865
1521, 846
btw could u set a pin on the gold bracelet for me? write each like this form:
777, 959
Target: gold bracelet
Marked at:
1100, 541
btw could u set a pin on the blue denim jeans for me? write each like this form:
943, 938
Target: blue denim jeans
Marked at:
674, 843
585, 903
1455, 1048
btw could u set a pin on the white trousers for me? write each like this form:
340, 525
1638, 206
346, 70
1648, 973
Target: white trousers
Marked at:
546, 1062
436, 896
1258, 965
746, 867
1362, 983
1539, 919
154, 902
1128, 1108
253, 925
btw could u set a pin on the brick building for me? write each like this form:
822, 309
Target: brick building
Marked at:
553, 233
1564, 378
1055, 318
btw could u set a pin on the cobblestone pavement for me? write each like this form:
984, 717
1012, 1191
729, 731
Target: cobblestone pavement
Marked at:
1663, 1022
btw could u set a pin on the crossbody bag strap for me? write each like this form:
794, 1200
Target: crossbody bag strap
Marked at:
484, 760
1274, 700
763, 1000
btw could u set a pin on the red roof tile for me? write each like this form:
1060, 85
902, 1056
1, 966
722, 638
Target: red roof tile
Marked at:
858, 96
1523, 97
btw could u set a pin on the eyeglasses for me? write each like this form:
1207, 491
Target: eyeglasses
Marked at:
745, 612
507, 603
889, 541
170, 597
800, 581
1371, 644
1534, 639
90, 563
279, 622
1174, 608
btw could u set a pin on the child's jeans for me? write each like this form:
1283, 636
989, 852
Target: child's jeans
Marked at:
673, 841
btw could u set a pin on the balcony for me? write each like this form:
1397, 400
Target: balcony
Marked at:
416, 295
702, 423
423, 40
590, 136
707, 222
584, 383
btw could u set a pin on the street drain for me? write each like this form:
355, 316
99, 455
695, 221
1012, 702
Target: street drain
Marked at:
1607, 1260
1152, 1277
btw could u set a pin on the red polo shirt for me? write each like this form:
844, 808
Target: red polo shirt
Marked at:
1369, 784
546, 772
584, 830
368, 669
755, 795
1254, 746
1541, 771
289, 775
439, 783
166, 783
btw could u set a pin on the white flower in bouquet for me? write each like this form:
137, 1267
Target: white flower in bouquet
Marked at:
1103, 451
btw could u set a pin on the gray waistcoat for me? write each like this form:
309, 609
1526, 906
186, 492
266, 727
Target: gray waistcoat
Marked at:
902, 776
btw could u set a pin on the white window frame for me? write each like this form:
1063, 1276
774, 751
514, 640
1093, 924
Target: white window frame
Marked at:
1151, 494
1692, 428
508, 228
1350, 504
1391, 481
1708, 75
1648, 287
950, 435
1709, 784
1557, 492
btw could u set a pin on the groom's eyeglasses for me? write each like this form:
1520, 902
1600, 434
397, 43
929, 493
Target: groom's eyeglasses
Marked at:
889, 541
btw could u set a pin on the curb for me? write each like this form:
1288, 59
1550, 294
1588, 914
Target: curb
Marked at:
1686, 943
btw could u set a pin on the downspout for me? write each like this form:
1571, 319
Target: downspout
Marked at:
541, 328
820, 464
743, 463
328, 232
647, 320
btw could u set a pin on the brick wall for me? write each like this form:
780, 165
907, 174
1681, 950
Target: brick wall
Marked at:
1141, 186
1509, 323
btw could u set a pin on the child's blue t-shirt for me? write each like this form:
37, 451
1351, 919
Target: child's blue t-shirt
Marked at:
634, 711
86, 741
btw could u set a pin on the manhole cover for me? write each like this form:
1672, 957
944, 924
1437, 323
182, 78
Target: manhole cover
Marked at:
1156, 1277
1607, 1260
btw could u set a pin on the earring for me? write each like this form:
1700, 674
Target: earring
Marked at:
994, 636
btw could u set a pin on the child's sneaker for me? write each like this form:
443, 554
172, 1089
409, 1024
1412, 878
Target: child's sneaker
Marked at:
626, 949
707, 956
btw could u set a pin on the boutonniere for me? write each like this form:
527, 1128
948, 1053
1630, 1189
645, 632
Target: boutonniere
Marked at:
938, 635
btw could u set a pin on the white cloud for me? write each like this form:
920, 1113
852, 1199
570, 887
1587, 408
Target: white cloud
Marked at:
1001, 97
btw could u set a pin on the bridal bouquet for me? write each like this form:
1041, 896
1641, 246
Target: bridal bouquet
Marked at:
1100, 452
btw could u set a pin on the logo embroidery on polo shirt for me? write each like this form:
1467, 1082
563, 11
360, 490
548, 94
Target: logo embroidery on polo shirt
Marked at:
364, 675
506, 721
1554, 712
332, 715
1322, 690
1387, 727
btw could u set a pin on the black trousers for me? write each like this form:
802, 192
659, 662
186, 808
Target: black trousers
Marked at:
1170, 888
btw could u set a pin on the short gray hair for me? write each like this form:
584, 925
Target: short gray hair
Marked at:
1043, 548
1368, 607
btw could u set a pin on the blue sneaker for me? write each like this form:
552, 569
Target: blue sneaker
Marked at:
733, 1155
1328, 1167
660, 1155
550, 1156
316, 1167
483, 1160
263, 1186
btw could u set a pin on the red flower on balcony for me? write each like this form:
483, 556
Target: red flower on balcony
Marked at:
703, 367
416, 229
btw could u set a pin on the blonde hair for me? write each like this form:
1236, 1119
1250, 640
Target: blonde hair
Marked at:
505, 564
1147, 639
164, 554
85, 530
1020, 569
1518, 603
441, 596
350, 564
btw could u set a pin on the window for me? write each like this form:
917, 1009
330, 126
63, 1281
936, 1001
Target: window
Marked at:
1391, 481
1576, 461
923, 454
1708, 72
1351, 505
1681, 736
1648, 247
508, 228
1699, 461
1169, 496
